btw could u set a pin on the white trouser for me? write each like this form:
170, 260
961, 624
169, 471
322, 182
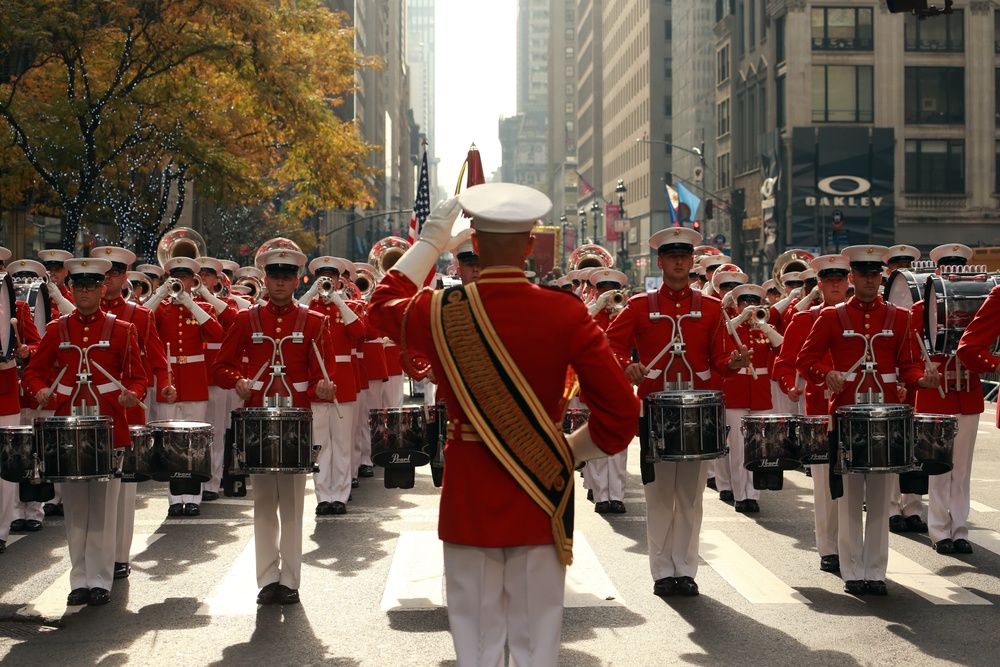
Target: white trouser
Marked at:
277, 524
864, 549
125, 524
430, 393
151, 403
781, 404
951, 493
719, 469
740, 477
188, 411
8, 490
361, 451
512, 595
217, 416
31, 510
608, 476
392, 392
333, 434
673, 518
91, 509
825, 510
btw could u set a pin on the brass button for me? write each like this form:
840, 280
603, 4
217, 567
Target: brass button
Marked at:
85, 339
279, 319
867, 326
867, 316
86, 328
277, 330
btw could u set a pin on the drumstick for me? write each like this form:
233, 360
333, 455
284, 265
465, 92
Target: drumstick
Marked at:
326, 376
739, 343
650, 365
17, 334
55, 384
115, 382
170, 372
929, 363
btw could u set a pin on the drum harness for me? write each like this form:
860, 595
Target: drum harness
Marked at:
676, 346
867, 359
277, 364
83, 368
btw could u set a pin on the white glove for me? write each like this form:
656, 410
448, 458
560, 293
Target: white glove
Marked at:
742, 317
159, 295
583, 446
804, 304
62, 304
419, 260
773, 337
200, 316
346, 313
728, 301
307, 298
241, 303
216, 302
599, 304
782, 305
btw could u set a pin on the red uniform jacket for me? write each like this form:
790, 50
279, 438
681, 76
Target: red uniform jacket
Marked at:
343, 338
302, 369
977, 341
741, 390
707, 344
11, 397
965, 401
226, 319
784, 367
546, 332
187, 339
150, 346
827, 348
122, 360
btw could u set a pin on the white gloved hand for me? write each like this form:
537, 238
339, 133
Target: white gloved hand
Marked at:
804, 304
583, 446
216, 302
599, 304
197, 312
773, 337
746, 314
161, 293
62, 304
437, 229
346, 313
307, 298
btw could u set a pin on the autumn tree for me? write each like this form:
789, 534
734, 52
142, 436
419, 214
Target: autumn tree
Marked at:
111, 105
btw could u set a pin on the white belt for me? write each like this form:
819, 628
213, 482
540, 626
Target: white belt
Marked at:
391, 345
746, 371
213, 346
359, 355
300, 387
886, 377
704, 375
101, 388
342, 358
187, 360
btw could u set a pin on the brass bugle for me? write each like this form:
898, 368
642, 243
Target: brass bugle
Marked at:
618, 298
761, 314
127, 290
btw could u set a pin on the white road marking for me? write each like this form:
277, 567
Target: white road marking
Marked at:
744, 573
979, 507
13, 539
587, 584
235, 595
51, 604
926, 584
987, 539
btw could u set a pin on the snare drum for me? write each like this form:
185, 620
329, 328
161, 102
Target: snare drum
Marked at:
875, 438
934, 442
74, 449
18, 462
813, 435
769, 442
135, 465
398, 436
181, 450
274, 440
574, 419
686, 425
950, 303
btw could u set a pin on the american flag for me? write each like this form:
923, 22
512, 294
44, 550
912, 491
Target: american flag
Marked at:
422, 206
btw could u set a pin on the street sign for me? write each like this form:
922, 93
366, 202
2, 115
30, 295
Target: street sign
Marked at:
838, 218
621, 225
719, 240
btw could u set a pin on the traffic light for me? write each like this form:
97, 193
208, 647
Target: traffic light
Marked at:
696, 225
709, 209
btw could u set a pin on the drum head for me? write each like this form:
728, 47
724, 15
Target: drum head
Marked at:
949, 307
166, 425
903, 288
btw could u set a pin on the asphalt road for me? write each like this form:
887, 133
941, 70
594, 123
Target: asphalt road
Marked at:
190, 599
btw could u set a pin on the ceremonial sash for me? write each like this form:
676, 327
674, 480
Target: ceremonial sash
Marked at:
502, 407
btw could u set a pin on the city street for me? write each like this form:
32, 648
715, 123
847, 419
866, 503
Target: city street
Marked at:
372, 592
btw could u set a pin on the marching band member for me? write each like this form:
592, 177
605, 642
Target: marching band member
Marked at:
673, 489
371, 361
90, 506
229, 268
831, 348
773, 294
54, 262
333, 428
153, 272
184, 328
278, 499
507, 537
468, 263
974, 348
900, 257
154, 365
833, 272
709, 264
950, 494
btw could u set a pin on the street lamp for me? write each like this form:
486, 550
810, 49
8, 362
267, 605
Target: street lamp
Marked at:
698, 152
564, 226
583, 225
596, 208
621, 190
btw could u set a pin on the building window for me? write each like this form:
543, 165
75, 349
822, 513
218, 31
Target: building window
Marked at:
570, 35
779, 39
569, 107
569, 71
996, 31
935, 95
668, 67
722, 114
722, 67
569, 90
667, 106
722, 168
752, 22
947, 34
935, 166
842, 29
569, 53
738, 29
667, 29
843, 94
779, 102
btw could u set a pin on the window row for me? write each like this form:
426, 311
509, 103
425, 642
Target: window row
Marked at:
851, 29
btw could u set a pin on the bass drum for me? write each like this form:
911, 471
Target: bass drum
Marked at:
905, 287
950, 303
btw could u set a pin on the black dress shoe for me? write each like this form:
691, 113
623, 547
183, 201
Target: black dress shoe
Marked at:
337, 507
963, 547
99, 596
122, 570
854, 587
177, 509
897, 524
602, 507
18, 525
590, 495
207, 496
710, 482
915, 524
618, 507
726, 496
741, 506
752, 505
354, 483
3, 546
945, 546
285, 595
876, 588
32, 525
687, 587
49, 509
829, 563
323, 508
191, 509
267, 594
365, 471
77, 597
665, 587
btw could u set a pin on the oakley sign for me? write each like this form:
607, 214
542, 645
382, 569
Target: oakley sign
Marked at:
841, 196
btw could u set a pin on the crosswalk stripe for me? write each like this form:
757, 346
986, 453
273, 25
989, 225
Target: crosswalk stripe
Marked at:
988, 539
979, 507
13, 539
926, 584
587, 583
236, 594
744, 573
51, 604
